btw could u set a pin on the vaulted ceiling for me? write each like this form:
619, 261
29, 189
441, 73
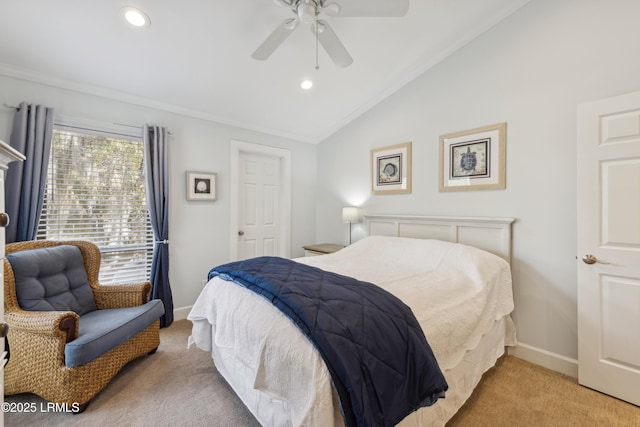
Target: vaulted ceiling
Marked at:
195, 57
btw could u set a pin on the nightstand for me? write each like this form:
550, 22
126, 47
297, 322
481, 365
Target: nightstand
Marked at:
321, 249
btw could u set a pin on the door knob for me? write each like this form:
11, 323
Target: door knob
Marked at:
589, 259
240, 233
4, 219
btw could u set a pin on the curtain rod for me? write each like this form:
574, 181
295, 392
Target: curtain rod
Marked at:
17, 108
139, 127
13, 107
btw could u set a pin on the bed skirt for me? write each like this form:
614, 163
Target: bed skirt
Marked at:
462, 379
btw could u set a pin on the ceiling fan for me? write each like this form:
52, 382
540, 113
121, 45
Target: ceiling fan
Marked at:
308, 11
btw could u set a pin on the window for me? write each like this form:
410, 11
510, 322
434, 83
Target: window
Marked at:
96, 191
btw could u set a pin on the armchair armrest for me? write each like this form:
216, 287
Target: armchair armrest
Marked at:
120, 296
62, 324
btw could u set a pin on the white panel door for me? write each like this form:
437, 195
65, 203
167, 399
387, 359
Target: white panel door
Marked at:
258, 213
608, 221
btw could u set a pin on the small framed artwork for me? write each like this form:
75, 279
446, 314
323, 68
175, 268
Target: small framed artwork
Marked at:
473, 159
201, 185
391, 169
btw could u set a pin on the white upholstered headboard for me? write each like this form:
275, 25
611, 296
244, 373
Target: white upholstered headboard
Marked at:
491, 234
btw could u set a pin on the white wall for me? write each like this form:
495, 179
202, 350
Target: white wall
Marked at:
198, 231
530, 71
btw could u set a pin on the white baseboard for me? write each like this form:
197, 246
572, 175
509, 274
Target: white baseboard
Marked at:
181, 313
547, 359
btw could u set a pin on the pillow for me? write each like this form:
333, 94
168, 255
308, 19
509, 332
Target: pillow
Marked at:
52, 279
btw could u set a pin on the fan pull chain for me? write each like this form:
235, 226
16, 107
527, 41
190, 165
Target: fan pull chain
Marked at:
316, 19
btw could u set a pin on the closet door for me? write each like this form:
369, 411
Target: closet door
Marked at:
259, 207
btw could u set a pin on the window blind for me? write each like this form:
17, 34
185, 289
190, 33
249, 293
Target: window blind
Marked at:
96, 192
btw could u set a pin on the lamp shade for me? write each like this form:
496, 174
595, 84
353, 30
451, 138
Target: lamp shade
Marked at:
350, 214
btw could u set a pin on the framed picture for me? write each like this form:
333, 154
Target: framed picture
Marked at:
201, 185
473, 159
391, 169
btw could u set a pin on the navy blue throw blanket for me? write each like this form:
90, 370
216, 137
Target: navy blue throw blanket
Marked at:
380, 362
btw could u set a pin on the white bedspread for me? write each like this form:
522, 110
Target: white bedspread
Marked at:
455, 291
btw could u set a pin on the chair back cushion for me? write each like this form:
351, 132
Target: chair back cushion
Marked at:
52, 279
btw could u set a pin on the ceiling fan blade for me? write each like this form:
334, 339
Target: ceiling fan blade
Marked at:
330, 8
282, 3
371, 8
275, 39
332, 44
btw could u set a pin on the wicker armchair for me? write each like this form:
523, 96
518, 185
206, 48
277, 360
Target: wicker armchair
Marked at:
38, 338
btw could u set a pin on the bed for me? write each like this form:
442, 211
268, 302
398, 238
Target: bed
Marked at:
461, 263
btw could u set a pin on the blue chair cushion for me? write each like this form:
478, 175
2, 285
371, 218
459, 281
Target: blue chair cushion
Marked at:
102, 330
52, 279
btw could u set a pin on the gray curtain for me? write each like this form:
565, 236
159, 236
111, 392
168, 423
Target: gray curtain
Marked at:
25, 184
157, 186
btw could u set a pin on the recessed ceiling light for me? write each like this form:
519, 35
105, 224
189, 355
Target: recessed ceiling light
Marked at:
135, 17
306, 84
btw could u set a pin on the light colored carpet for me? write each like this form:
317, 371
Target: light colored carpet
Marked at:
519, 393
180, 387
175, 386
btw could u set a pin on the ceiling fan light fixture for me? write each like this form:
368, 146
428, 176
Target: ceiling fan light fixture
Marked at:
307, 12
135, 17
306, 84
